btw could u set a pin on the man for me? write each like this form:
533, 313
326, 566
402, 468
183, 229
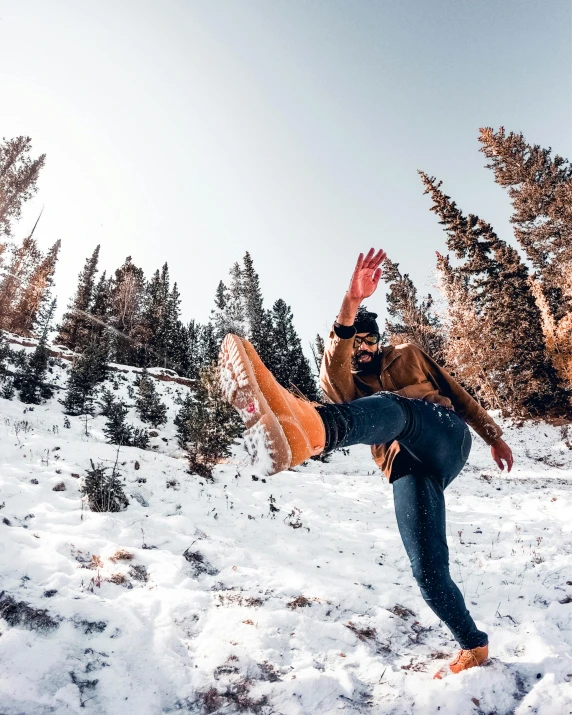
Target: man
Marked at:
396, 399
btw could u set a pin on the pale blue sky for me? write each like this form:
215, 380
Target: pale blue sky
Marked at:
190, 132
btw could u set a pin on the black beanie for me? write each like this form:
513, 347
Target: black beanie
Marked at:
365, 321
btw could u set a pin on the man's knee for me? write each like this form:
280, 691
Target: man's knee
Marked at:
430, 573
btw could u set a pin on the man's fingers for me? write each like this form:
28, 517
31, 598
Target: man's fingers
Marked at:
379, 257
368, 257
376, 276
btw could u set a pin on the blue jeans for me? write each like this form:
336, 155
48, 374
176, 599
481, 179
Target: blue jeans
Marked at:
435, 444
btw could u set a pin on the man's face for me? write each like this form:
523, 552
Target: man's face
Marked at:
364, 354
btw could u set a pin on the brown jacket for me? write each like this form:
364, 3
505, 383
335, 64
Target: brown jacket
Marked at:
405, 370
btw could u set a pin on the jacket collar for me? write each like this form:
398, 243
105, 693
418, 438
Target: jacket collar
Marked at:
389, 354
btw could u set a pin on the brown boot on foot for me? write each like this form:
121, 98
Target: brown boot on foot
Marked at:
281, 430
464, 660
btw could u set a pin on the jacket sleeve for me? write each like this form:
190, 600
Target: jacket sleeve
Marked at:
336, 378
468, 408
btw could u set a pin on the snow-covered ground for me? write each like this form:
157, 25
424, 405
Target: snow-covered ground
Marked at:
295, 595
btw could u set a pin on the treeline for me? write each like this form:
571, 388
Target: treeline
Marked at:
139, 321
131, 318
506, 330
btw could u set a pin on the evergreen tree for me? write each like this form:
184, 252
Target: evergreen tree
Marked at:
101, 310
208, 347
207, 425
116, 428
287, 361
75, 331
181, 351
467, 350
5, 354
229, 313
414, 321
498, 283
126, 301
259, 326
103, 491
35, 295
18, 179
88, 370
31, 380
540, 187
148, 404
106, 402
25, 258
318, 348
192, 349
184, 419
160, 315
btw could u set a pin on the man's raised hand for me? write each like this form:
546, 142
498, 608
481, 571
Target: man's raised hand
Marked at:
366, 275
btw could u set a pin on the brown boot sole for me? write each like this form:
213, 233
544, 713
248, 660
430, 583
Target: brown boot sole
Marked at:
264, 438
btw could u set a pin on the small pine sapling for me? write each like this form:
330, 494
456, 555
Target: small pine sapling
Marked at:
8, 389
87, 372
116, 429
148, 404
103, 490
208, 425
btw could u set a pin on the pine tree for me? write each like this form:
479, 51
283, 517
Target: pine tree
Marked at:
25, 258
116, 428
193, 348
106, 402
75, 330
103, 491
287, 361
31, 380
127, 293
229, 313
184, 419
207, 425
148, 404
414, 321
101, 310
318, 349
18, 179
35, 296
498, 283
88, 370
259, 326
208, 348
467, 350
540, 187
160, 313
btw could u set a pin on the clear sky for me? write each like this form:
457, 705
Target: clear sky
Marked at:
190, 132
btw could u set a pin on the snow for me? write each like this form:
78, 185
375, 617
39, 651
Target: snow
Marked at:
310, 609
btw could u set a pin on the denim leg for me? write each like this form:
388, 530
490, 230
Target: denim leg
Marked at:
436, 437
420, 510
438, 443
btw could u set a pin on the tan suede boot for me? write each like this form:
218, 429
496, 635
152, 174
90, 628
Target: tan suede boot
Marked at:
464, 660
281, 430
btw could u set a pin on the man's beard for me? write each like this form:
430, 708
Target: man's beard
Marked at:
369, 367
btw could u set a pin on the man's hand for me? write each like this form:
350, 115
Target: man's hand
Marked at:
501, 451
366, 275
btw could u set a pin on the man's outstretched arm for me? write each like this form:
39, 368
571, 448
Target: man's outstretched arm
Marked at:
335, 373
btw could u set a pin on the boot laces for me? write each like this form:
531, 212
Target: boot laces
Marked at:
465, 658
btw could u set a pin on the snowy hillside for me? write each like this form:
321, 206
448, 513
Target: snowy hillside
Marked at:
290, 594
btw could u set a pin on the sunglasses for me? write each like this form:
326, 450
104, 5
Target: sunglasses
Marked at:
370, 339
